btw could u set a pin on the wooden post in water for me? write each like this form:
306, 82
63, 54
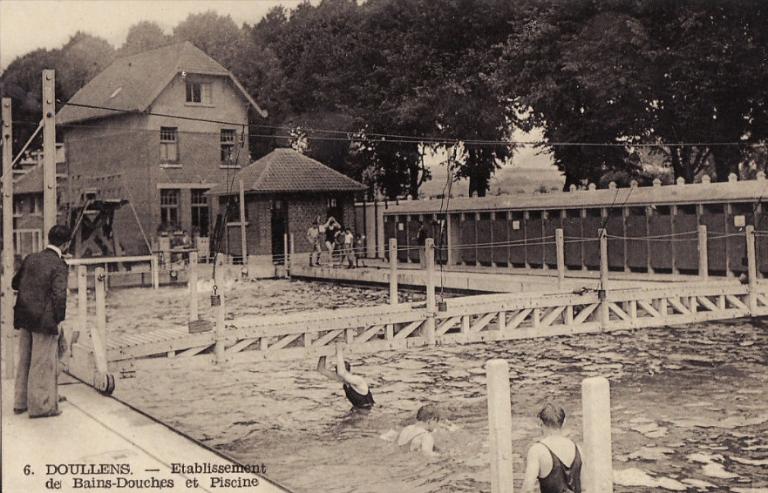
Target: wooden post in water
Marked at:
500, 425
155, 266
220, 310
286, 258
749, 232
99, 333
393, 271
192, 283
560, 251
603, 292
597, 473
429, 323
6, 310
82, 297
243, 239
703, 255
291, 251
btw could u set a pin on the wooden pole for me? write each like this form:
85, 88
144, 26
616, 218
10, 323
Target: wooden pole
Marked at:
192, 283
500, 425
220, 310
751, 268
597, 474
243, 242
291, 247
560, 251
82, 297
49, 150
155, 266
429, 323
603, 292
286, 253
703, 256
6, 318
99, 332
393, 271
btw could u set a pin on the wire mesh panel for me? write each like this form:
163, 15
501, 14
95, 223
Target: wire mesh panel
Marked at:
761, 241
714, 219
516, 235
484, 239
637, 250
440, 235
739, 217
686, 242
402, 239
660, 230
469, 239
553, 222
390, 231
412, 227
590, 226
534, 253
572, 233
616, 246
500, 238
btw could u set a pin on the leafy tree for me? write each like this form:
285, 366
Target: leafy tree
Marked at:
82, 58
143, 36
618, 72
215, 34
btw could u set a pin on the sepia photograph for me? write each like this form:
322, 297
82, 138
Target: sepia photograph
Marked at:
384, 246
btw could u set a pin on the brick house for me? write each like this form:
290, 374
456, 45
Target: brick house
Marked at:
159, 129
284, 192
28, 235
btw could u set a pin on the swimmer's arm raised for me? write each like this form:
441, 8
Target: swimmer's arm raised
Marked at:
322, 368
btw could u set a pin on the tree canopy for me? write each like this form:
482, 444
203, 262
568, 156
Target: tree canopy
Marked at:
372, 87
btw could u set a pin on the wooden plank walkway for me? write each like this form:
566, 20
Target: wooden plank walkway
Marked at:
95, 430
489, 317
487, 279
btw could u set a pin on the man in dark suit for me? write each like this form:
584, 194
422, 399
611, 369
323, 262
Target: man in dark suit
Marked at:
41, 305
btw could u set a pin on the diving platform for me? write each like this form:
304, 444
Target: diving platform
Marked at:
99, 441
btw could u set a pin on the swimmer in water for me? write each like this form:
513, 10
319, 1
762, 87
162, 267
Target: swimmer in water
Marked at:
554, 460
355, 387
418, 436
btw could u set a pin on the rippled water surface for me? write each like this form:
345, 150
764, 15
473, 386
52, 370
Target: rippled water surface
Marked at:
689, 404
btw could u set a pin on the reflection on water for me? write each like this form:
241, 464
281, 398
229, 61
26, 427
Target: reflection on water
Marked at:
689, 405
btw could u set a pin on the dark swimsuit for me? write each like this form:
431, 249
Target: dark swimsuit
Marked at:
358, 400
562, 479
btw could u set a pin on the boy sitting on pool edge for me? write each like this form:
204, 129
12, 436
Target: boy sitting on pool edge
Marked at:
418, 436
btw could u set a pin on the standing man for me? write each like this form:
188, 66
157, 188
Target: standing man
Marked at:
41, 305
421, 240
313, 237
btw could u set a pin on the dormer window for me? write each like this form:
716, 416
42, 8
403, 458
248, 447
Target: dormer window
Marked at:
199, 92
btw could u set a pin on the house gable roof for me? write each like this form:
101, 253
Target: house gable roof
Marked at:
284, 171
131, 84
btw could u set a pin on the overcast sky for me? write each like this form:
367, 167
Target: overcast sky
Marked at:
26, 25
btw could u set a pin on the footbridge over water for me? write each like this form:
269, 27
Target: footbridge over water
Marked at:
602, 305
